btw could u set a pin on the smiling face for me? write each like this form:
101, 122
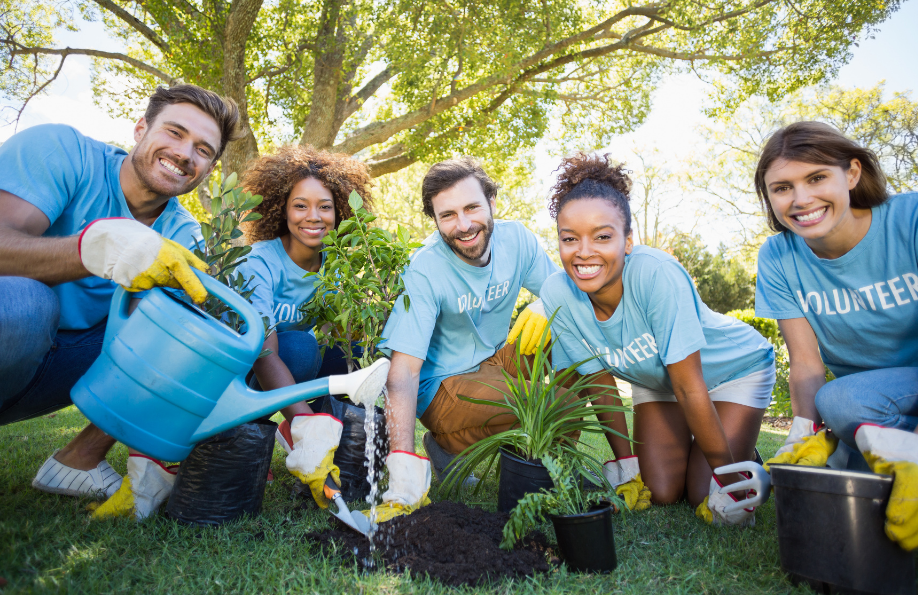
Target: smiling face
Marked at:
593, 244
176, 151
464, 218
310, 212
813, 201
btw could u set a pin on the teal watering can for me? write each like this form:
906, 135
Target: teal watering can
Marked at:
170, 375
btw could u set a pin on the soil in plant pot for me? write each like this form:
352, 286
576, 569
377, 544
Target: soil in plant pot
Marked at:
448, 541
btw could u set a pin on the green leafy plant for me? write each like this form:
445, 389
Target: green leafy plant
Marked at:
567, 497
767, 327
230, 207
547, 417
357, 286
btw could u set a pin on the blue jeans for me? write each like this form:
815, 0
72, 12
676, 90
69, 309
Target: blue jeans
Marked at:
887, 397
300, 352
39, 364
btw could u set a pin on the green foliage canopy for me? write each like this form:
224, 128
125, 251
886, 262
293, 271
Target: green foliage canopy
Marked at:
723, 283
399, 81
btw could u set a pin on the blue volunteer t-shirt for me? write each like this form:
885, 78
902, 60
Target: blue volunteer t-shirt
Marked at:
74, 180
281, 286
459, 314
863, 306
661, 320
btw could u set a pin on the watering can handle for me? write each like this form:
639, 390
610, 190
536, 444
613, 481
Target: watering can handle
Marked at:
253, 336
118, 313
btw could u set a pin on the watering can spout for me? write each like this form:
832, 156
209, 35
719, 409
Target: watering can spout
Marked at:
240, 404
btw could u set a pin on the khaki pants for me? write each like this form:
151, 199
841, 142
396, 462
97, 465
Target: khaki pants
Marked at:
456, 424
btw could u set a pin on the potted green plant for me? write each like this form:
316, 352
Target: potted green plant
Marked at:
358, 284
582, 520
552, 409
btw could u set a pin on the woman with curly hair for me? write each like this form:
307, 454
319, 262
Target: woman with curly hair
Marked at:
305, 195
700, 380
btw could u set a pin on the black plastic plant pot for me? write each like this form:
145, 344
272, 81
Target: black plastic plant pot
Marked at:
224, 477
830, 531
519, 477
586, 541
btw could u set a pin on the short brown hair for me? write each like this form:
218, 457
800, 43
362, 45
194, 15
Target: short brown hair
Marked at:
274, 176
446, 174
820, 144
223, 110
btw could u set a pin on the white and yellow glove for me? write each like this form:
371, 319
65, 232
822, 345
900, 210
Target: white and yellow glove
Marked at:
624, 475
315, 439
712, 509
807, 444
528, 328
145, 487
137, 258
895, 452
409, 482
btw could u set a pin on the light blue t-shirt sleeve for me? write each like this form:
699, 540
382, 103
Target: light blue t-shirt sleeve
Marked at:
540, 266
773, 297
409, 330
43, 165
568, 347
671, 313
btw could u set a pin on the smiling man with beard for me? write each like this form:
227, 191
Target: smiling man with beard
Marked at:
77, 217
448, 338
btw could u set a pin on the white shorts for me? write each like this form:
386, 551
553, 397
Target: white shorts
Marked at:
753, 390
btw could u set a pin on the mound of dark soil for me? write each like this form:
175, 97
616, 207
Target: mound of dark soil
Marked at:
450, 542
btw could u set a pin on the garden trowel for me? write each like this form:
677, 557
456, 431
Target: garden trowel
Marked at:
355, 520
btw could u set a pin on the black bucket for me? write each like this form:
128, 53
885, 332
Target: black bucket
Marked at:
586, 540
224, 477
519, 477
830, 531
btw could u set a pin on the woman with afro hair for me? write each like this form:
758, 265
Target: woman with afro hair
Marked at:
305, 195
700, 380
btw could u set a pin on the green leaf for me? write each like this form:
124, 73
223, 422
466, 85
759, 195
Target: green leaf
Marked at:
251, 217
230, 181
354, 200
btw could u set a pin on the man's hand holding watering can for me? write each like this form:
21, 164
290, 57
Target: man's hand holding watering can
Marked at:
137, 258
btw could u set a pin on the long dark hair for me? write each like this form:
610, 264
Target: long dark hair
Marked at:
821, 144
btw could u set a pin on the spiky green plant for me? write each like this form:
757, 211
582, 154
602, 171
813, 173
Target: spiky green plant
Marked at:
548, 416
567, 497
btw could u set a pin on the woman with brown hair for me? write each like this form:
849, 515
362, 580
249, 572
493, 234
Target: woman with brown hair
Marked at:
305, 195
841, 278
700, 380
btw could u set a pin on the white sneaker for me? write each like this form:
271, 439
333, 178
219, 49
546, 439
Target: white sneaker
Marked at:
57, 478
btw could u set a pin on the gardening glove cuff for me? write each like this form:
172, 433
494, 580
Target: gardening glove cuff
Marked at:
619, 471
145, 487
807, 444
315, 439
711, 510
137, 258
409, 482
529, 327
895, 452
635, 494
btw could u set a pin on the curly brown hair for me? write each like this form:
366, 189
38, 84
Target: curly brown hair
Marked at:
591, 176
274, 176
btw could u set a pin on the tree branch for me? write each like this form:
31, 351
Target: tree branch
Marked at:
135, 23
168, 79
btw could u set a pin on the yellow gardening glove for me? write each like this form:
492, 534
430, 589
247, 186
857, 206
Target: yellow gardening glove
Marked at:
635, 494
807, 444
409, 482
137, 258
895, 452
712, 508
145, 487
529, 327
315, 440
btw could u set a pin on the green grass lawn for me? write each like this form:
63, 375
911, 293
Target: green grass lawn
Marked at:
48, 542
